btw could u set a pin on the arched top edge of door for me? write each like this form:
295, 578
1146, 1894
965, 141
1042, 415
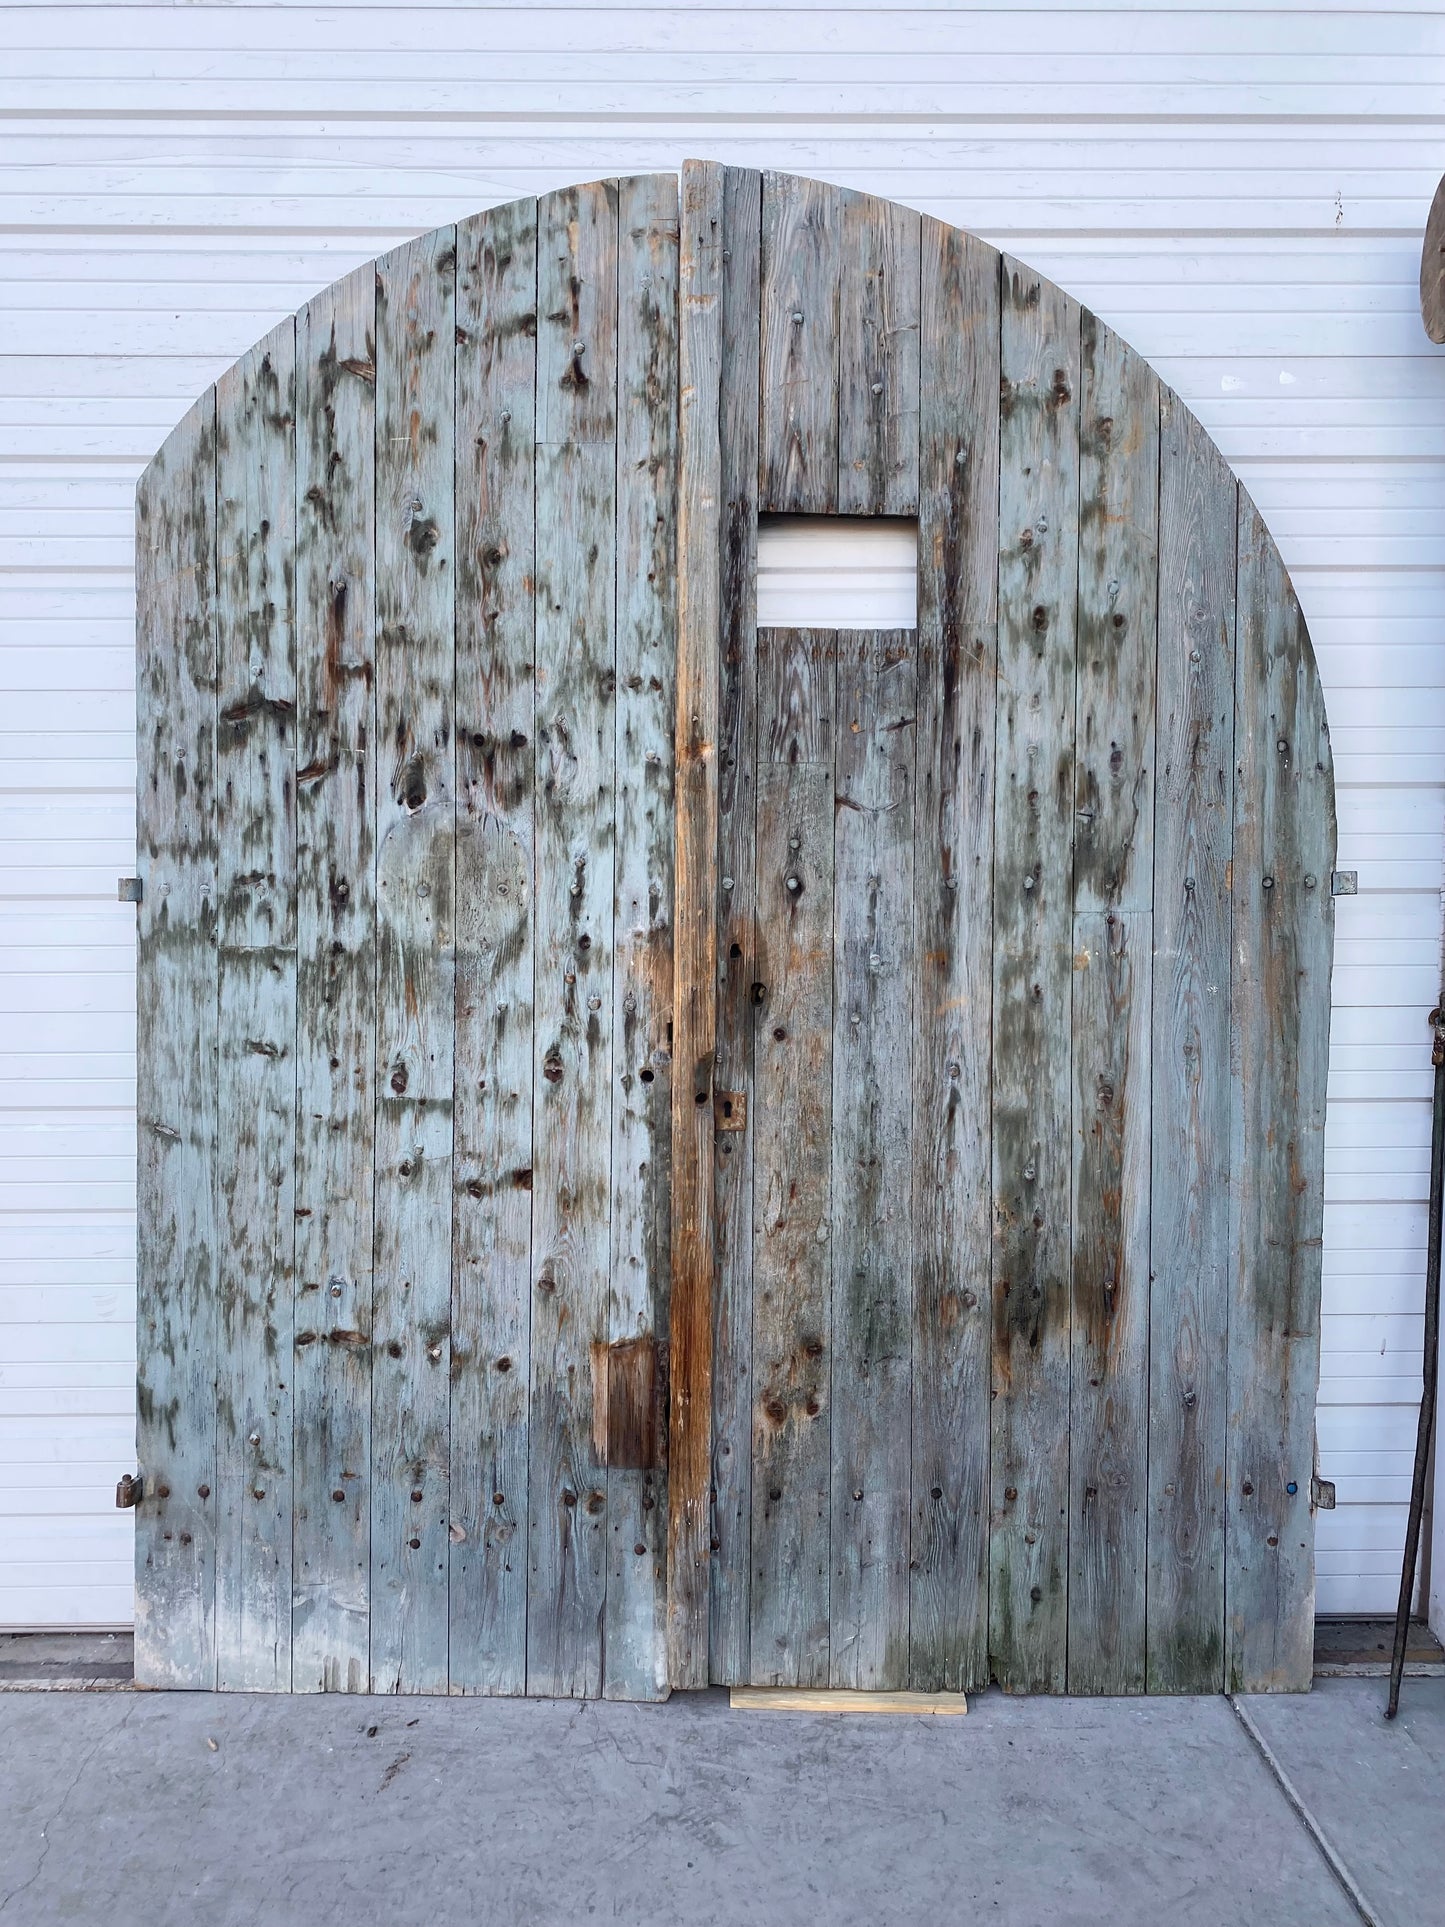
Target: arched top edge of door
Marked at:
192, 437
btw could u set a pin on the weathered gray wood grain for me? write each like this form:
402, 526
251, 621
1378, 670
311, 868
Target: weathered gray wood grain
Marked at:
415, 835
792, 1161
872, 1142
577, 315
878, 350
1113, 869
1033, 893
647, 268
496, 731
1284, 851
573, 1052
953, 943
1189, 1158
1109, 1397
572, 1057
256, 1064
1118, 623
695, 1001
336, 984
737, 726
176, 1020
801, 256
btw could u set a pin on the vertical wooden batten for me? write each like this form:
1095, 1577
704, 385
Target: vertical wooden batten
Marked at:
878, 356
573, 1040
177, 1325
694, 1006
336, 984
1033, 895
1110, 1042
492, 1186
729, 1636
801, 264
953, 941
792, 1125
416, 970
871, 1232
256, 1059
1284, 852
1189, 1060
642, 989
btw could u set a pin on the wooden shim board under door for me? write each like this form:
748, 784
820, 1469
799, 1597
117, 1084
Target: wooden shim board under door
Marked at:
801, 1699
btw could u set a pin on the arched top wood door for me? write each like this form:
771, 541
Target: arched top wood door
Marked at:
997, 986
1022, 927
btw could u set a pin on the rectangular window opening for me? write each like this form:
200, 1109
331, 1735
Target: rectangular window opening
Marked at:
837, 572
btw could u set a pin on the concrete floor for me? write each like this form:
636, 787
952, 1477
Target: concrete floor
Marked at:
123, 1807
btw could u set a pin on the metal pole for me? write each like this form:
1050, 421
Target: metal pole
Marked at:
1431, 1372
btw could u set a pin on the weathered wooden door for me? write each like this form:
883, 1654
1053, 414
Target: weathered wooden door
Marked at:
1007, 1293
939, 1067
406, 659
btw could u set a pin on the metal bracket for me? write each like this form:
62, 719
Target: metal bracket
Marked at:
730, 1110
129, 889
129, 1491
1322, 1494
1344, 883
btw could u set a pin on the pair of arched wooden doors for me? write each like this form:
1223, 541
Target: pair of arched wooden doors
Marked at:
671, 1151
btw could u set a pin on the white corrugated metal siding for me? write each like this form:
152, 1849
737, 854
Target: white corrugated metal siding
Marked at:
1240, 192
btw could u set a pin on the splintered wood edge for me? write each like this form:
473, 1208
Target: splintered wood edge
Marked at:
789, 1699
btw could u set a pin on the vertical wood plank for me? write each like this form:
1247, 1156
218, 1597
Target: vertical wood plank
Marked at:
737, 751
575, 870
953, 942
1118, 624
878, 349
410, 1517
1108, 1461
1033, 892
336, 983
1284, 851
496, 377
1189, 1157
176, 1028
872, 1144
1113, 871
256, 1065
801, 255
792, 1161
695, 922
636, 1643
577, 315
